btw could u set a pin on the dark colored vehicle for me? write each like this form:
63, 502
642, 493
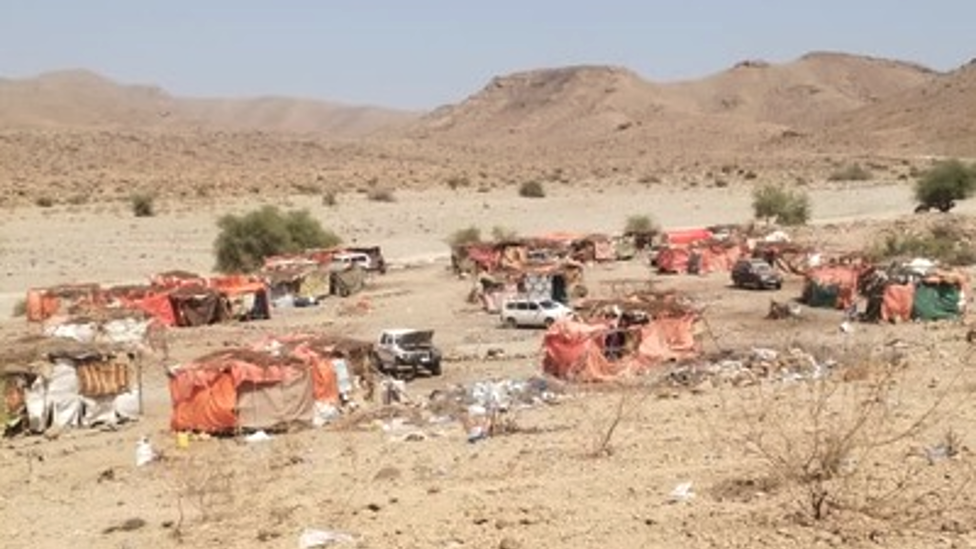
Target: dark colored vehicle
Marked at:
756, 273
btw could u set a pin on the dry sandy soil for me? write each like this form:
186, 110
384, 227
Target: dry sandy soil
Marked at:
607, 144
542, 485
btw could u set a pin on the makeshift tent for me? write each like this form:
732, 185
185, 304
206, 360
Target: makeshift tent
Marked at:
197, 306
347, 281
245, 298
897, 302
684, 237
276, 383
832, 286
43, 303
936, 301
87, 374
583, 352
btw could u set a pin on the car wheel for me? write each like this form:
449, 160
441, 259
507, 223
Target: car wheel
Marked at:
548, 322
511, 323
435, 368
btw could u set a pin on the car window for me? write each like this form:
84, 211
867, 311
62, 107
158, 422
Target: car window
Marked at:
385, 339
533, 306
547, 304
523, 306
511, 306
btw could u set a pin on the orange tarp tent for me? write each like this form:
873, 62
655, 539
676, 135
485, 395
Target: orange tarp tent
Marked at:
576, 351
897, 302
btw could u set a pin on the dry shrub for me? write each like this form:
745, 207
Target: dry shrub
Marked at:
201, 486
630, 398
532, 189
854, 452
381, 194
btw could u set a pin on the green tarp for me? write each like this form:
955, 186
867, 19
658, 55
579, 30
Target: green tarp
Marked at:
936, 302
818, 295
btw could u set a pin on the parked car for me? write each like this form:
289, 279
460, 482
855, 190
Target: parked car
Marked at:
756, 273
533, 312
407, 351
348, 259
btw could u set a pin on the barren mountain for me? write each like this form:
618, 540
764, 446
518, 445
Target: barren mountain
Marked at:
597, 108
592, 108
805, 93
938, 117
73, 100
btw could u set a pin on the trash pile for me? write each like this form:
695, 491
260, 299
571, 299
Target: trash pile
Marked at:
484, 408
757, 364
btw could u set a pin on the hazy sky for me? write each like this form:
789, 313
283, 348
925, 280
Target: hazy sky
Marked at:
423, 53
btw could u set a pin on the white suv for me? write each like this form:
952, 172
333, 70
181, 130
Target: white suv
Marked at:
533, 312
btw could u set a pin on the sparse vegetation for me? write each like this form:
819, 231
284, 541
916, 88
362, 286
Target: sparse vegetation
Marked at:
330, 199
851, 172
461, 237
945, 183
143, 204
532, 189
641, 224
245, 240
381, 194
942, 243
19, 308
306, 188
841, 449
44, 201
787, 207
503, 234
458, 181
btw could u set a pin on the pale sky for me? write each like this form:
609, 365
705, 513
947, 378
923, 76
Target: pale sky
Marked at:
419, 54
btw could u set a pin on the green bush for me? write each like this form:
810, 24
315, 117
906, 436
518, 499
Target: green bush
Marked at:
246, 240
640, 224
851, 172
532, 189
787, 207
143, 204
20, 308
945, 183
462, 237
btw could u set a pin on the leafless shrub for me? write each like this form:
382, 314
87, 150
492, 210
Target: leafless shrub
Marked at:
200, 484
630, 398
848, 446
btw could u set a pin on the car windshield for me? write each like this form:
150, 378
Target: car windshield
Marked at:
548, 304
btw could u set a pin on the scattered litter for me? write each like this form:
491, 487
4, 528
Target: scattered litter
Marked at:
144, 452
682, 492
846, 327
321, 538
257, 436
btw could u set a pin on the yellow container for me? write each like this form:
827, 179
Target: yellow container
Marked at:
182, 440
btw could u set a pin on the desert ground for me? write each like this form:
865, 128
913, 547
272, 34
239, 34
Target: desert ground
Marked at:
857, 437
556, 480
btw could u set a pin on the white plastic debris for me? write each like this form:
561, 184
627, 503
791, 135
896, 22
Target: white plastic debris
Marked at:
682, 492
257, 436
144, 452
321, 538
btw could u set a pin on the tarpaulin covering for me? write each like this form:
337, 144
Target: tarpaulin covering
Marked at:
276, 382
897, 302
831, 286
578, 351
686, 236
673, 260
720, 258
936, 302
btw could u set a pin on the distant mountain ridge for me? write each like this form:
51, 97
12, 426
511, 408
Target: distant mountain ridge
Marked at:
80, 99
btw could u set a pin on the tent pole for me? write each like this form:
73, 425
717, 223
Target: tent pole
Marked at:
139, 381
